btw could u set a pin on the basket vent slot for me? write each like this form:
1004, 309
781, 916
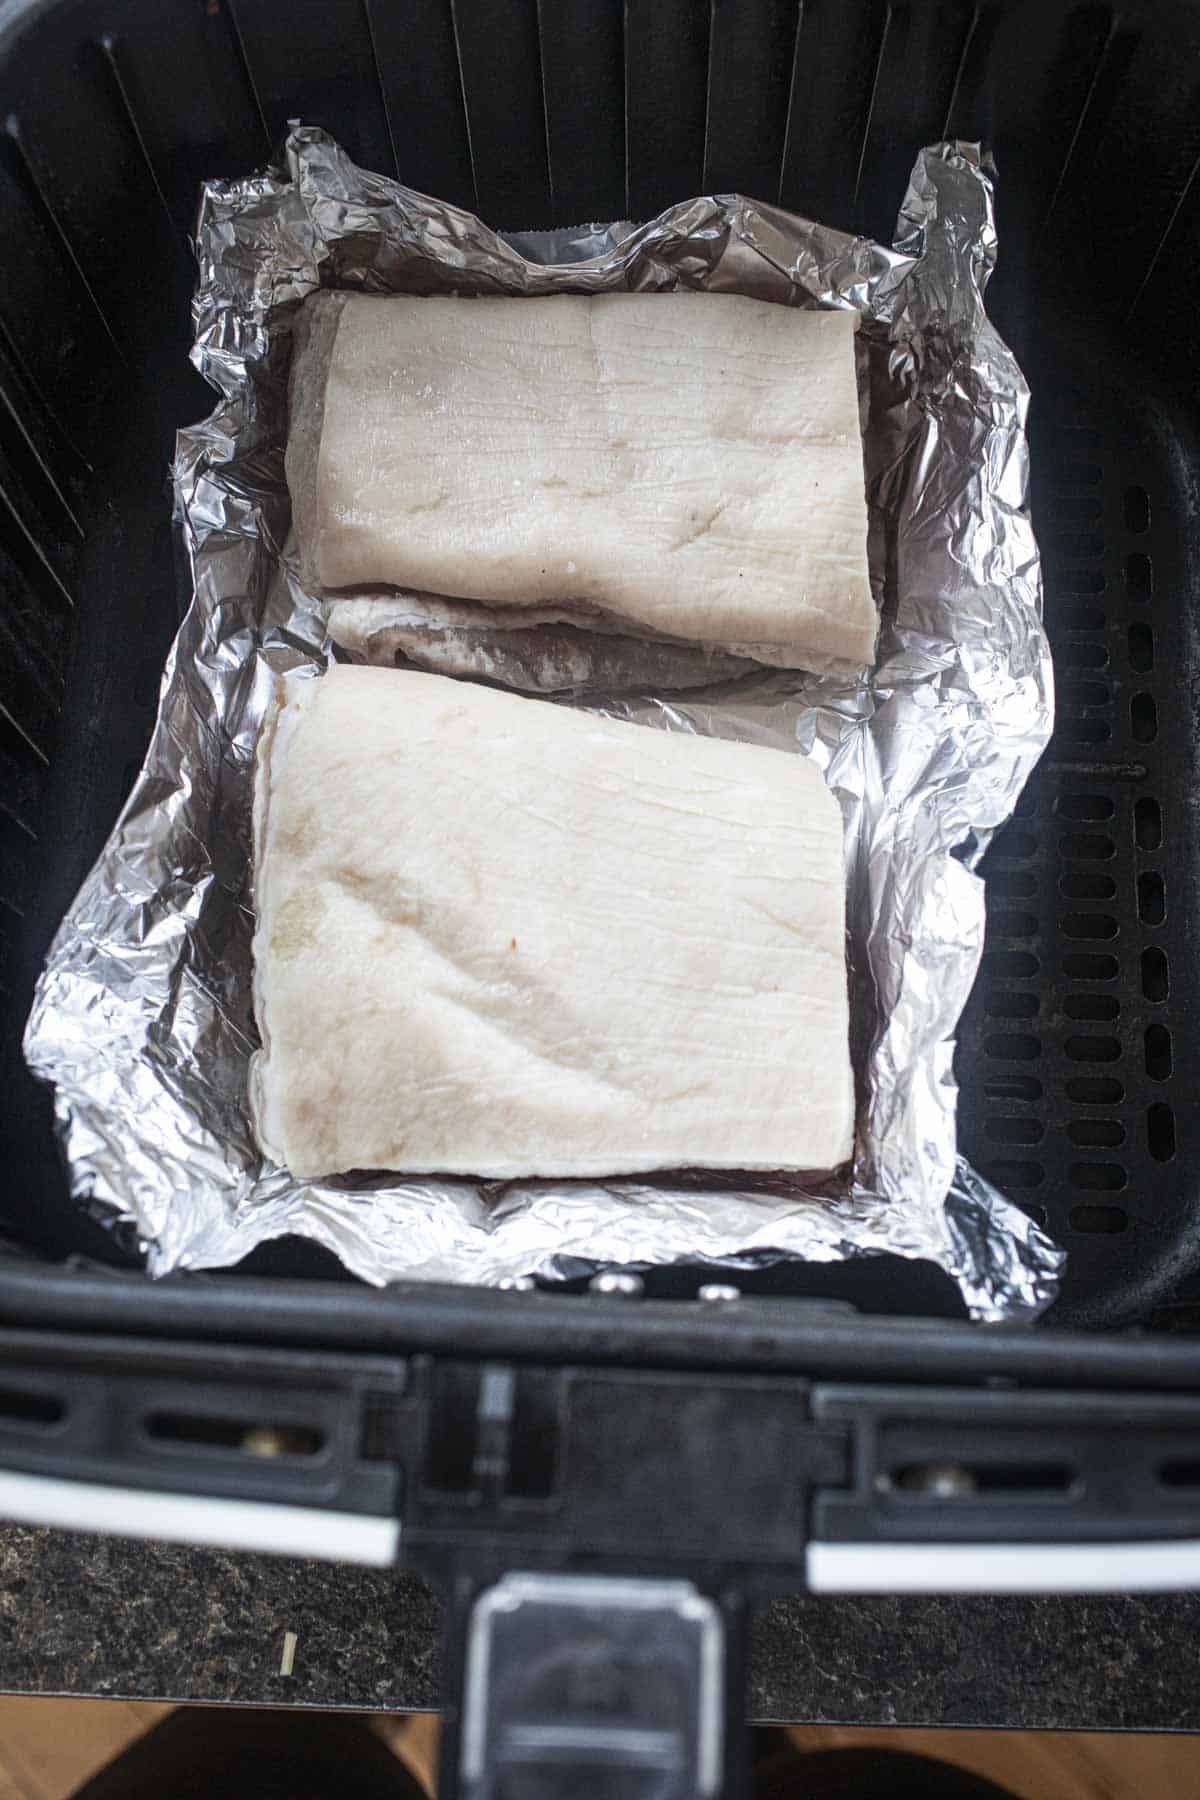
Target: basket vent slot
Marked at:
1102, 1221
1081, 618
1156, 981
1143, 718
1012, 1046
1087, 965
20, 1406
1089, 885
1100, 1177
248, 1437
933, 1480
1139, 577
1098, 926
1075, 695
1080, 654
1095, 1007
1147, 823
1092, 1049
1005, 1003
1095, 1090
1076, 506
1160, 1131
1181, 1473
1022, 1130
1096, 1134
1017, 1175
1087, 846
1012, 1089
1014, 884
1084, 806
1151, 897
1007, 922
1140, 639
1010, 965
1159, 1056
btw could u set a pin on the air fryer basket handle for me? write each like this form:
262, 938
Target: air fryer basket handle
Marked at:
558, 1682
598, 1529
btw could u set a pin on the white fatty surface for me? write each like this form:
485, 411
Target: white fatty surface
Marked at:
503, 938
688, 464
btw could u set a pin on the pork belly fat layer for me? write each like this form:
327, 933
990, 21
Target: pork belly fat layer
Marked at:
690, 464
503, 938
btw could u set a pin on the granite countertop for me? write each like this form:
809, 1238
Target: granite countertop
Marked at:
94, 1616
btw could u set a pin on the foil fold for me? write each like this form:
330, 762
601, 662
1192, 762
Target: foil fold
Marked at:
143, 1019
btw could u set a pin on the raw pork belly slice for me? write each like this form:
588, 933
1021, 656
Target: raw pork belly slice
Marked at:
690, 464
503, 938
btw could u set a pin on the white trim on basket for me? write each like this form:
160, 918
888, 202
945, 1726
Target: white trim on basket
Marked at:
200, 1519
1068, 1568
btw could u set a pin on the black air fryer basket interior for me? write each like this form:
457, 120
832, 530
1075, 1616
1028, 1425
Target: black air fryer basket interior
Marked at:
1079, 1051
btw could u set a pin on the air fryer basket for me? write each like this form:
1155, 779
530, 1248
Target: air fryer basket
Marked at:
1076, 1062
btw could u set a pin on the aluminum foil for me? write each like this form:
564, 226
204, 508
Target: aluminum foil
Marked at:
143, 1018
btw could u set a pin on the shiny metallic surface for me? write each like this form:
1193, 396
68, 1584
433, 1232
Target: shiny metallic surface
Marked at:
941, 1481
617, 1281
143, 1017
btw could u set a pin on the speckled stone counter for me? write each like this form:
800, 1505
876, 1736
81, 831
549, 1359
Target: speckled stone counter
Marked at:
93, 1616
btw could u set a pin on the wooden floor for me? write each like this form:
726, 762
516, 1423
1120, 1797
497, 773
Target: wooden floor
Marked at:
48, 1747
